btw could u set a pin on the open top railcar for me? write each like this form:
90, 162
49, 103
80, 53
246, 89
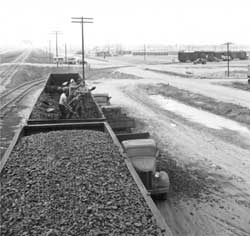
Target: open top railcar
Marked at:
29, 130
46, 108
37, 126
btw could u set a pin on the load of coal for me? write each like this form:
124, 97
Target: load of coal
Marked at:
83, 108
44, 102
71, 182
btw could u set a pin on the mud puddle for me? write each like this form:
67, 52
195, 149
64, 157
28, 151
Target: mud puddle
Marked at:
199, 116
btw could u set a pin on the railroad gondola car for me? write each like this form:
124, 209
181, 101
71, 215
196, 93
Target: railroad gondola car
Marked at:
104, 194
210, 55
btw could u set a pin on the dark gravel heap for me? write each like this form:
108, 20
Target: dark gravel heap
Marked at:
45, 101
85, 107
71, 183
185, 182
88, 108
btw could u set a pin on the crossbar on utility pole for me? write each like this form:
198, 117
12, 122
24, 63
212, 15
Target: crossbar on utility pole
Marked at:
82, 21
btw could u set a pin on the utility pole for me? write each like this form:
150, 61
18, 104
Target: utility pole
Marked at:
82, 20
56, 34
228, 57
65, 52
144, 52
49, 51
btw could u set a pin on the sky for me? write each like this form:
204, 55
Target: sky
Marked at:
126, 22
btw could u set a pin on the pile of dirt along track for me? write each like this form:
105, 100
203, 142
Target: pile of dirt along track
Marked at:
86, 110
185, 181
72, 182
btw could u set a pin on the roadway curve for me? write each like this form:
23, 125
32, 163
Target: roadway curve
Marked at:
204, 86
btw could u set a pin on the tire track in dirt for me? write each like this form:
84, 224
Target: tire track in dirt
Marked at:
197, 218
204, 87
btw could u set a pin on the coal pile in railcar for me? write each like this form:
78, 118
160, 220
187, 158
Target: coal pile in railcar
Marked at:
72, 182
47, 105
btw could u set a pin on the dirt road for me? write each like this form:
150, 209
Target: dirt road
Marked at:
211, 180
225, 163
204, 87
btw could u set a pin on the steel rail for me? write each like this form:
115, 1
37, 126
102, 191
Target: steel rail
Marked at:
18, 87
19, 96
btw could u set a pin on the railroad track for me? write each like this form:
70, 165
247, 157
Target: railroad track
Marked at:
11, 70
15, 95
18, 87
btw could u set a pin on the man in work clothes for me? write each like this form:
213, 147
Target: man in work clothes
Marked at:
63, 105
72, 87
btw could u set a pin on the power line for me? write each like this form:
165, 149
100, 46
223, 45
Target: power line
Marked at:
82, 21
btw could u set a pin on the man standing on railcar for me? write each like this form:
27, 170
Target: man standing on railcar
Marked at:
63, 105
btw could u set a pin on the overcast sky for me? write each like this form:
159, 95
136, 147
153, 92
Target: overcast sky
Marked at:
129, 22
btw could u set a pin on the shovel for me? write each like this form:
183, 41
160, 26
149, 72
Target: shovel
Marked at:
49, 110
